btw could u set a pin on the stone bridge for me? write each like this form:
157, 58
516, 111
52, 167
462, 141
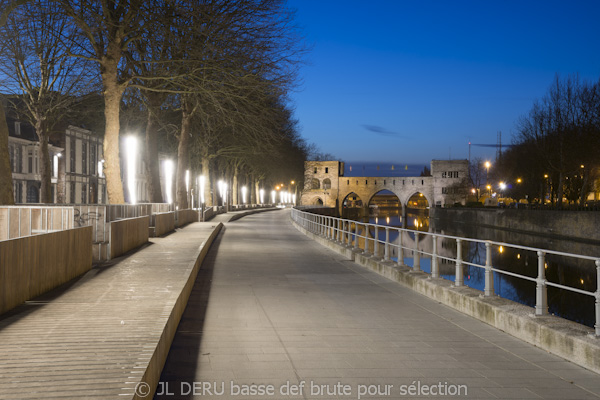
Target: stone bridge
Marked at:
325, 184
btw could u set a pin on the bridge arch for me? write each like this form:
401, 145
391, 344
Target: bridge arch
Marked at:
422, 200
317, 201
352, 200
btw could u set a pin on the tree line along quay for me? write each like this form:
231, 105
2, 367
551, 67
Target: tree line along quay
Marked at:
204, 84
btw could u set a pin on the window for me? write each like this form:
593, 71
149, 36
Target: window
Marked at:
11, 155
326, 183
83, 193
93, 164
30, 161
326, 170
315, 170
17, 128
32, 194
72, 155
18, 191
84, 158
315, 184
18, 168
72, 192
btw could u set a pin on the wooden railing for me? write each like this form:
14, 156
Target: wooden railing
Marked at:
127, 234
32, 265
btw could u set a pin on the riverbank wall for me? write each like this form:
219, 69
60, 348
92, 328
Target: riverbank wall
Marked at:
570, 225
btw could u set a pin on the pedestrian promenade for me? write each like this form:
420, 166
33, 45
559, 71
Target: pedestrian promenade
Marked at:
274, 315
102, 334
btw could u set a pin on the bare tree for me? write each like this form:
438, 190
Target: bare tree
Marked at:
7, 196
35, 44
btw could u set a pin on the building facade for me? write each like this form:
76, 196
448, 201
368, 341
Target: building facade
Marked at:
25, 160
80, 168
76, 158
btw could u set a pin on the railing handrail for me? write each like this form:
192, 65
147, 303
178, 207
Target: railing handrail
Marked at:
335, 228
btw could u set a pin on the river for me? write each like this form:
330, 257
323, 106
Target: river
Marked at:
565, 271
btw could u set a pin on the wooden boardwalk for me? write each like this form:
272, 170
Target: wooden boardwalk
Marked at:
102, 334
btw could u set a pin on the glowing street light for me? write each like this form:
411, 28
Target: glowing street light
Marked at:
131, 152
261, 194
187, 180
244, 190
168, 166
201, 181
221, 186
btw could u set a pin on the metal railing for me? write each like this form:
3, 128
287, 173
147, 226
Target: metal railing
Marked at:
351, 233
20, 221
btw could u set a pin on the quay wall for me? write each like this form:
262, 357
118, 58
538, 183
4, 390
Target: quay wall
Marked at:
571, 225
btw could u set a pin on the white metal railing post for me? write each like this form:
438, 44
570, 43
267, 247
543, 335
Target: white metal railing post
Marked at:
597, 326
376, 242
400, 247
541, 290
416, 254
386, 255
435, 269
489, 274
339, 231
356, 235
458, 277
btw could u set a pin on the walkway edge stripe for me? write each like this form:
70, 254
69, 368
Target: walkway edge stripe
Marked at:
569, 340
155, 365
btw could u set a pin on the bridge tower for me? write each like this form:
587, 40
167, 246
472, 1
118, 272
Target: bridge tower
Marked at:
321, 183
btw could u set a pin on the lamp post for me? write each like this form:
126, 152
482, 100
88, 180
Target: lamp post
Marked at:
487, 170
131, 151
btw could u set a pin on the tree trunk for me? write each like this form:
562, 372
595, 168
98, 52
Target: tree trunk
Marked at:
257, 191
7, 196
208, 200
45, 169
152, 163
584, 185
235, 197
251, 190
112, 102
559, 189
183, 155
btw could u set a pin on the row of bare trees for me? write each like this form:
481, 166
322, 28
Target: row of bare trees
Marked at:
206, 78
555, 152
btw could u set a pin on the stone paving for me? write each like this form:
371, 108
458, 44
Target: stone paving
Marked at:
272, 307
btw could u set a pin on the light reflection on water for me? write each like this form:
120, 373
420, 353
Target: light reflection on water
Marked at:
565, 271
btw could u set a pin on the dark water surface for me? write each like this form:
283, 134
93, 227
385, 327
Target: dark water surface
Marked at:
567, 271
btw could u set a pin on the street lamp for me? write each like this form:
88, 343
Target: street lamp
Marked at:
168, 166
261, 193
131, 151
487, 170
244, 190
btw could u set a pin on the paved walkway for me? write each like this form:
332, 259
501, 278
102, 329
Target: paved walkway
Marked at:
96, 336
271, 306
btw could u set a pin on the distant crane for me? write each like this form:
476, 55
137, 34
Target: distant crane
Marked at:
498, 147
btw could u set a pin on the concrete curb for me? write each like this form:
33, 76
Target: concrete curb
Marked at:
155, 365
237, 216
569, 340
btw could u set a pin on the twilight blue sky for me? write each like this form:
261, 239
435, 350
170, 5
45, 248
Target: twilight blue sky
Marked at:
409, 81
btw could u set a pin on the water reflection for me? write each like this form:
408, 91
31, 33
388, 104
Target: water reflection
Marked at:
571, 272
